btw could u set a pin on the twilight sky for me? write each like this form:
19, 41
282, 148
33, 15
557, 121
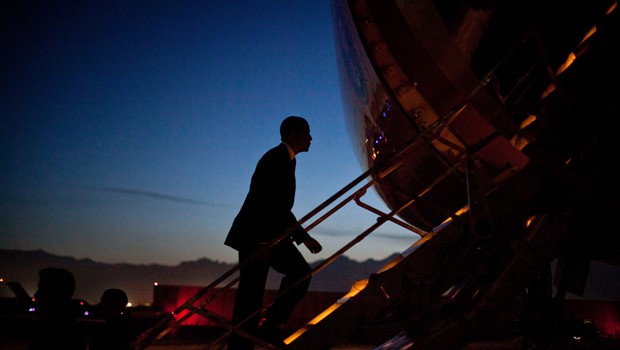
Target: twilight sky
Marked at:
130, 129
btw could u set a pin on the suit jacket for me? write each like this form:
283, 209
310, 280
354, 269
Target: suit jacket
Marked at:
266, 212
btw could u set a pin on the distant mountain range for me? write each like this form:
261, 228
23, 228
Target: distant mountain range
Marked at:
92, 278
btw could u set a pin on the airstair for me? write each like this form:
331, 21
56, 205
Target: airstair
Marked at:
447, 266
463, 279
352, 193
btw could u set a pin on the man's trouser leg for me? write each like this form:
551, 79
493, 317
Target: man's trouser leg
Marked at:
287, 260
249, 298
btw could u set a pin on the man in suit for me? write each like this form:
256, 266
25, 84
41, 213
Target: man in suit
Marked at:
264, 217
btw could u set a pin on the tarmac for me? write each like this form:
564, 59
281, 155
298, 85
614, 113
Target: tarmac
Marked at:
203, 338
205, 346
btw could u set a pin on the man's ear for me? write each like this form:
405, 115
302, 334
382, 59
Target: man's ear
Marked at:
292, 138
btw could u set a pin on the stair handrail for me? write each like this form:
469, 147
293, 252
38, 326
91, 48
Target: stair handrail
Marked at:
379, 169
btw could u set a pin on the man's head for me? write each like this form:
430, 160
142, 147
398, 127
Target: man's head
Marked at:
55, 287
295, 131
113, 302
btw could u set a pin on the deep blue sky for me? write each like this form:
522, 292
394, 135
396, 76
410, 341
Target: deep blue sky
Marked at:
130, 129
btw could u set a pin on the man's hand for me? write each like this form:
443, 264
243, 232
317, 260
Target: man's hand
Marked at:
313, 245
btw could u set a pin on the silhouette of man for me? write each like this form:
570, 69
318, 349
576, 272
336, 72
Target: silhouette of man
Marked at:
58, 329
264, 216
116, 332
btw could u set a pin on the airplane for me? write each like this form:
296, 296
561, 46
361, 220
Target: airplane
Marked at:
497, 118
487, 127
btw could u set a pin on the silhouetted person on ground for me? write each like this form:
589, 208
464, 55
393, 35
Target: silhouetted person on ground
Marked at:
264, 216
116, 331
57, 329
